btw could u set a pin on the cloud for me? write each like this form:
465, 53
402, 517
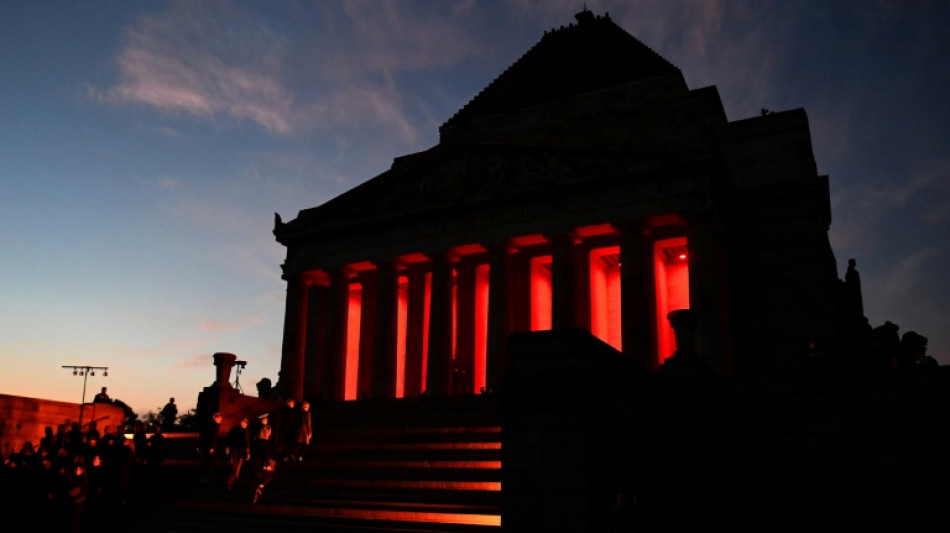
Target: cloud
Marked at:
207, 60
196, 360
168, 182
334, 65
923, 190
932, 182
238, 324
896, 194
906, 273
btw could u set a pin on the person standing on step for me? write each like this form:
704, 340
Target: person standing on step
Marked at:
206, 437
169, 415
262, 457
302, 432
282, 421
102, 397
238, 450
156, 454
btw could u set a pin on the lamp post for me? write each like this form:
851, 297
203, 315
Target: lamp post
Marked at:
85, 371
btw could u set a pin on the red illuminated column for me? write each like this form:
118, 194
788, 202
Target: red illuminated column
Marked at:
295, 335
637, 295
499, 313
316, 350
384, 349
580, 256
519, 291
439, 373
335, 369
415, 330
562, 282
369, 281
463, 367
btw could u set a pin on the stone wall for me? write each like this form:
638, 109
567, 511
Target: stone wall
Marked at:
25, 419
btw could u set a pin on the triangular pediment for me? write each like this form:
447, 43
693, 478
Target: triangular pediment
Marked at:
588, 102
590, 55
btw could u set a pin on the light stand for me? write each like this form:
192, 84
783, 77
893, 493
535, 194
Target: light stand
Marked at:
85, 371
237, 375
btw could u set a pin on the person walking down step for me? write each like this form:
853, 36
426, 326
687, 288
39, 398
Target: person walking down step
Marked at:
283, 422
302, 432
262, 457
238, 450
207, 434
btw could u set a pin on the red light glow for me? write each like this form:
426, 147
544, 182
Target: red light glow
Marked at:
402, 309
353, 312
605, 318
672, 289
541, 293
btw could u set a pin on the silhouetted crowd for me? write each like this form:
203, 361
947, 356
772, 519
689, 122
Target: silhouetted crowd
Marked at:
75, 479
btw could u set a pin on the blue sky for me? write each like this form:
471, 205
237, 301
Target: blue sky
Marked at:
145, 147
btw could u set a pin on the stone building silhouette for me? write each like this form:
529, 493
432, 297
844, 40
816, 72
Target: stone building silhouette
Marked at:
587, 186
574, 212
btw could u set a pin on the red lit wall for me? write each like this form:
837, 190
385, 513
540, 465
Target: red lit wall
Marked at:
605, 318
353, 312
671, 273
481, 325
425, 327
402, 308
531, 294
541, 293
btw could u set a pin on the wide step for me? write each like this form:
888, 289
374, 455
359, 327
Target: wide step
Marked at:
384, 467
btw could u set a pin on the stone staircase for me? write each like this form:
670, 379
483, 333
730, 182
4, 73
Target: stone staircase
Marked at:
421, 465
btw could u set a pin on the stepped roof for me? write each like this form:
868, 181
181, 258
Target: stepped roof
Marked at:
589, 56
595, 53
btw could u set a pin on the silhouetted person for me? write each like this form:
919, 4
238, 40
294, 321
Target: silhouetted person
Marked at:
77, 488
140, 441
74, 439
207, 434
302, 432
92, 432
264, 388
102, 397
156, 454
238, 450
169, 415
49, 439
262, 457
282, 421
61, 437
118, 463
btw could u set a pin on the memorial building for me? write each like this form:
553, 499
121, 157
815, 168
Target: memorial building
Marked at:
631, 295
587, 186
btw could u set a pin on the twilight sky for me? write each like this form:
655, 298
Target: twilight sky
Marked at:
145, 147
